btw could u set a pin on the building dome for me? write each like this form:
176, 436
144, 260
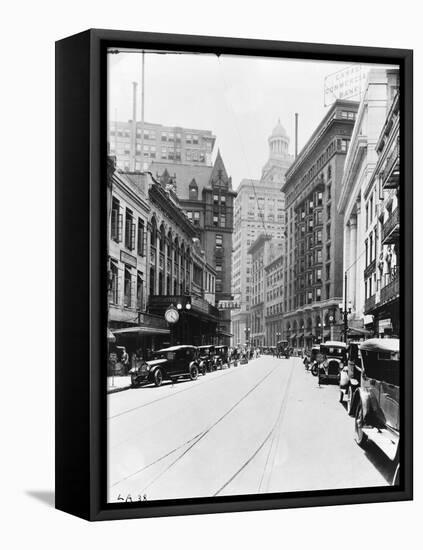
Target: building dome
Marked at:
279, 130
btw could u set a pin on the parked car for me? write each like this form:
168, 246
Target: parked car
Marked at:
222, 355
332, 359
168, 363
376, 401
350, 375
206, 357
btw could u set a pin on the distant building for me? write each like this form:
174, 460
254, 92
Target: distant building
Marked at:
361, 204
259, 208
134, 145
314, 244
263, 251
206, 196
273, 315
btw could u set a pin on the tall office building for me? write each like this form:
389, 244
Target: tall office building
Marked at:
259, 208
314, 245
136, 144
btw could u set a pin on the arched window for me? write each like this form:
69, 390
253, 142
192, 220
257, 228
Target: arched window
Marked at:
193, 190
153, 233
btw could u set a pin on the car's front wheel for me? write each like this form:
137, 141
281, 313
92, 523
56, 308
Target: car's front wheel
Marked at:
158, 377
359, 435
350, 400
193, 372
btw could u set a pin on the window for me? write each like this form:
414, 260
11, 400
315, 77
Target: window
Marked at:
223, 200
344, 145
328, 252
215, 220
318, 294
114, 284
127, 288
139, 291
129, 230
329, 172
222, 220
216, 199
116, 221
319, 275
328, 290
219, 241
164, 136
188, 138
193, 191
309, 297
141, 236
196, 218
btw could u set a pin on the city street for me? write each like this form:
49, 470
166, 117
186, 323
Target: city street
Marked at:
261, 427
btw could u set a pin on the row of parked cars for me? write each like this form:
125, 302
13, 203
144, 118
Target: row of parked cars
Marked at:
368, 374
180, 362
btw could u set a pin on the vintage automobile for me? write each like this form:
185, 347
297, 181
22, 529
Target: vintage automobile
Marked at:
222, 357
376, 401
350, 375
283, 348
206, 357
168, 363
332, 359
311, 362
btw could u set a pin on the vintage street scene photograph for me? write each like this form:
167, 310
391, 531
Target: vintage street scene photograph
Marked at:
253, 270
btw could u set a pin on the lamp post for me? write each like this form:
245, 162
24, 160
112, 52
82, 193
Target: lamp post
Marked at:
345, 310
247, 335
278, 335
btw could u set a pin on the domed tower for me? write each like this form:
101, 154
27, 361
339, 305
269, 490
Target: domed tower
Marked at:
278, 142
279, 158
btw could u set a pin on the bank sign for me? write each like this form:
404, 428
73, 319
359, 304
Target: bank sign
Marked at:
347, 83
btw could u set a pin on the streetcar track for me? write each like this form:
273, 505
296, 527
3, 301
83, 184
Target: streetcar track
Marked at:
265, 440
157, 460
173, 394
203, 434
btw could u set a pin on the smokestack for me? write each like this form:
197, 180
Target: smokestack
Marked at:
133, 126
296, 135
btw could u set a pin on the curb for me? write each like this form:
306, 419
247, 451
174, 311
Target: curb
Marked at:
117, 390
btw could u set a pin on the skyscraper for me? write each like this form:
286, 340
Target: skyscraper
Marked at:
259, 208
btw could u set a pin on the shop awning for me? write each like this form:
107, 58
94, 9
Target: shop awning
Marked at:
353, 331
223, 333
308, 335
326, 333
293, 336
110, 336
141, 330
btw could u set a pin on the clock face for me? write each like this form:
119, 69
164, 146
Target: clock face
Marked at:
171, 315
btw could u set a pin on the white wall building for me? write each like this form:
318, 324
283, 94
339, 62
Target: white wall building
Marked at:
360, 199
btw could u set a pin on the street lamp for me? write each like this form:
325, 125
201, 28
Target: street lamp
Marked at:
345, 309
247, 335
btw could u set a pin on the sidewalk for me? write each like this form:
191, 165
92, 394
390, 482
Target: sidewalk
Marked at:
118, 383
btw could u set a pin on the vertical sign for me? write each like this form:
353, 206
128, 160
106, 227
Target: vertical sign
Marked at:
347, 83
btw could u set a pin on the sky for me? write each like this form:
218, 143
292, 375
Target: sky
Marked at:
239, 99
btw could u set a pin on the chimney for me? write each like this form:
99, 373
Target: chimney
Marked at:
133, 126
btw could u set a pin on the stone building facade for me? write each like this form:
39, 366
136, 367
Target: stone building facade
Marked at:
207, 198
314, 243
263, 251
155, 259
274, 274
361, 204
382, 253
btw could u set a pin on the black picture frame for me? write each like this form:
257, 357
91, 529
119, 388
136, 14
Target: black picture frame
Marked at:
81, 150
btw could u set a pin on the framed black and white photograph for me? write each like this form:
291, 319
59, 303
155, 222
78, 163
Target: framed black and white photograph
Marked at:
234, 274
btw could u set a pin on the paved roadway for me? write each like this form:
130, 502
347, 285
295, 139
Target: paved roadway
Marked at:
261, 427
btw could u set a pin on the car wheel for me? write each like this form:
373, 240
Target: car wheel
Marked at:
158, 377
359, 435
350, 401
314, 370
193, 372
396, 478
